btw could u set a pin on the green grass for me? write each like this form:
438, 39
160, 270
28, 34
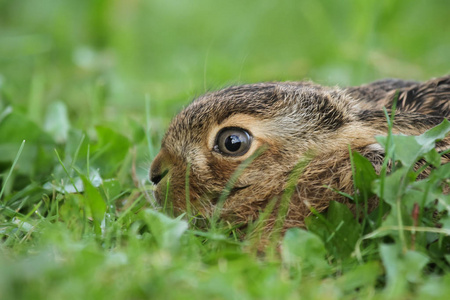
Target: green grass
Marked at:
91, 87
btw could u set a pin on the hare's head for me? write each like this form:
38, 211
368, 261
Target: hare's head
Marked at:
271, 125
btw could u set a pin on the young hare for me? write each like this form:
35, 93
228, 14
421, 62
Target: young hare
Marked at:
273, 127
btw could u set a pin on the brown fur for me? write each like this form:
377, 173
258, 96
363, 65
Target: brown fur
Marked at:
295, 122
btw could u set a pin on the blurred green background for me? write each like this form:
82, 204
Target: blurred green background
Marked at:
175, 50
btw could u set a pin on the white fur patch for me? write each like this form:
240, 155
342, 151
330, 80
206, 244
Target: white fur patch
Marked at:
375, 147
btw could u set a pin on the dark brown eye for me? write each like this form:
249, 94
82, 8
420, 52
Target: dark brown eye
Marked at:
233, 141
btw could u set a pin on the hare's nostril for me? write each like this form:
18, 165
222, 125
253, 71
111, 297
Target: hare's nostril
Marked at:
156, 178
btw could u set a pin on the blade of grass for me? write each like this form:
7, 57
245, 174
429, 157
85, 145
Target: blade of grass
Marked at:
16, 159
166, 199
291, 187
387, 157
390, 121
382, 230
255, 230
231, 182
66, 171
77, 151
365, 196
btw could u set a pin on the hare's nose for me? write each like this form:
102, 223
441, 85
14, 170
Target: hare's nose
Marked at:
156, 177
159, 169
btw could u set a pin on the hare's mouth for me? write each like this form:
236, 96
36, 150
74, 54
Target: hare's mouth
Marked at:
214, 200
238, 188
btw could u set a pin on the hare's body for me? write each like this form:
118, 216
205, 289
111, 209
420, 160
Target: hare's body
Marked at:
295, 123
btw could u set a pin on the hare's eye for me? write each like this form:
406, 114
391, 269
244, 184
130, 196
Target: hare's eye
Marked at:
233, 141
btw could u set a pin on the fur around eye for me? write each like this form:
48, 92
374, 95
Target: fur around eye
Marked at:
232, 141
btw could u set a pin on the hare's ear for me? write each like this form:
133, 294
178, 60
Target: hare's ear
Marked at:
429, 97
375, 93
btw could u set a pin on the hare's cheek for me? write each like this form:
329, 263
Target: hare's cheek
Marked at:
221, 170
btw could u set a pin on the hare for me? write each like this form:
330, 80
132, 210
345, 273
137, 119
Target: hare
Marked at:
273, 127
